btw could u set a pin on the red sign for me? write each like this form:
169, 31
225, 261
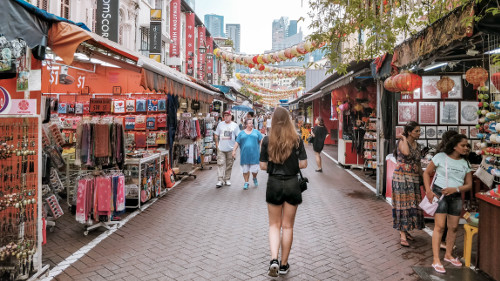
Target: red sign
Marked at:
100, 105
175, 26
210, 60
190, 35
201, 56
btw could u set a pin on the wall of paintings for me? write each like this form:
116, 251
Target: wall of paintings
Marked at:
436, 115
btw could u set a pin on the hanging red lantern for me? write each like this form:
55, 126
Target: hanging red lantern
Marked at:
254, 59
262, 67
477, 76
406, 82
389, 84
445, 85
495, 79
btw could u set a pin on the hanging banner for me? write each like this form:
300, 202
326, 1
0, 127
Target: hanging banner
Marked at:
210, 60
175, 24
190, 35
201, 52
107, 19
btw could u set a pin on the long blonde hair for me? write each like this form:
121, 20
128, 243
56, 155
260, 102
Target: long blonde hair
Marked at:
283, 137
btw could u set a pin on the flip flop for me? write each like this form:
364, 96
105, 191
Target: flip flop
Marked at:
439, 268
454, 262
405, 243
409, 237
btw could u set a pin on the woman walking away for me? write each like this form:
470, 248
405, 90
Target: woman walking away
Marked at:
319, 134
248, 141
282, 155
452, 177
406, 185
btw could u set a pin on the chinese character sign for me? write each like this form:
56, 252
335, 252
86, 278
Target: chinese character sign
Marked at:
175, 24
190, 35
201, 55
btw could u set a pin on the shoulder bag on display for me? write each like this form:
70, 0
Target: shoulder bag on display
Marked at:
431, 207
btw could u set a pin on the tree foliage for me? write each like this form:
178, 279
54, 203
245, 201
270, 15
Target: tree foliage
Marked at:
364, 29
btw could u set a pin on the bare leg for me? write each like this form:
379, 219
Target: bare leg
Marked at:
452, 235
289, 212
439, 221
246, 176
318, 159
275, 212
254, 175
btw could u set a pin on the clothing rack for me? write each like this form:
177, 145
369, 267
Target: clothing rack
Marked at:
185, 168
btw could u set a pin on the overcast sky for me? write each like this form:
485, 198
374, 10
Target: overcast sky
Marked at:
256, 18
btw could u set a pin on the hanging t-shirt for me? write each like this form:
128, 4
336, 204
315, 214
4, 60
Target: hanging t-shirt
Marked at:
249, 147
227, 135
457, 169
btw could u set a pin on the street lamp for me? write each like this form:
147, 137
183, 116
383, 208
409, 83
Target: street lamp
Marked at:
202, 49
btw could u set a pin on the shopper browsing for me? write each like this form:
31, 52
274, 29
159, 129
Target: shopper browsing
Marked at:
248, 141
406, 185
225, 139
282, 155
319, 133
452, 177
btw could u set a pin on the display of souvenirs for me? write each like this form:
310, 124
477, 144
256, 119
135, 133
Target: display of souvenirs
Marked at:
162, 105
70, 108
140, 105
129, 122
152, 105
140, 140
151, 122
86, 107
161, 137
140, 122
78, 108
130, 105
151, 139
119, 106
62, 108
161, 120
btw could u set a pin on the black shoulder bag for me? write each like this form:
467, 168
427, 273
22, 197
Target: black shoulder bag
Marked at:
302, 181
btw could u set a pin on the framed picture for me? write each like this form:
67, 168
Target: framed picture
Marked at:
468, 112
117, 90
473, 132
456, 92
464, 130
453, 128
417, 94
476, 144
422, 132
407, 111
427, 113
448, 112
432, 144
423, 143
431, 132
399, 131
441, 130
429, 89
493, 69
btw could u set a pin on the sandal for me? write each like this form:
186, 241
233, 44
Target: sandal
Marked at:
454, 262
404, 243
409, 237
439, 268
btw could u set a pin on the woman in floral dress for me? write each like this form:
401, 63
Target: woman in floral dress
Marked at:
406, 185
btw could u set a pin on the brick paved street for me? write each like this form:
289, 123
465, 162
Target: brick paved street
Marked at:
197, 232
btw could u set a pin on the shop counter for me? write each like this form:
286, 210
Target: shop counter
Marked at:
488, 235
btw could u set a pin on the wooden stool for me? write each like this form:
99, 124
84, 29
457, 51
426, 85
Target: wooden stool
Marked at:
470, 231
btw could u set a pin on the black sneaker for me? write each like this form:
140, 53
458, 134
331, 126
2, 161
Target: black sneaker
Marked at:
284, 268
274, 266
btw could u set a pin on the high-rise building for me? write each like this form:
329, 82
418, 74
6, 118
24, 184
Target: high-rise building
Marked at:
280, 31
191, 4
292, 28
215, 25
233, 31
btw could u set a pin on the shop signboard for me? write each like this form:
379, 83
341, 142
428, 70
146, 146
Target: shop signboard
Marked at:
100, 105
107, 19
201, 52
210, 60
190, 35
155, 37
175, 25
16, 106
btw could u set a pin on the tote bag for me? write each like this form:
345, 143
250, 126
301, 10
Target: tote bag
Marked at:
431, 207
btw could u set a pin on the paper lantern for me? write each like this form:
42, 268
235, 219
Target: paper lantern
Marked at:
301, 48
276, 57
445, 85
259, 59
389, 84
216, 52
239, 60
254, 60
262, 67
495, 79
251, 65
282, 55
406, 82
295, 52
265, 59
288, 53
477, 76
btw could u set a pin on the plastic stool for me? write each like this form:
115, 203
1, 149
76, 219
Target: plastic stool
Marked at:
470, 231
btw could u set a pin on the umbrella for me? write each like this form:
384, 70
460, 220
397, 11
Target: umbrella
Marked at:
242, 108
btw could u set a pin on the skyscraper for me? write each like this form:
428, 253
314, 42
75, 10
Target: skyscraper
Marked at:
215, 25
292, 28
233, 31
280, 31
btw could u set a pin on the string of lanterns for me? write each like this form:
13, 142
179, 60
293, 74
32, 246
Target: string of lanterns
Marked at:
261, 76
267, 90
278, 96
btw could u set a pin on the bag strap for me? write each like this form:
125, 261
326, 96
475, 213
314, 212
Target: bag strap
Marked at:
446, 168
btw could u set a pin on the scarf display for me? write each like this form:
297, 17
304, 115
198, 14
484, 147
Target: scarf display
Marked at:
100, 144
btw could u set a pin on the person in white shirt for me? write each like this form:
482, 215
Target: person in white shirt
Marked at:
225, 139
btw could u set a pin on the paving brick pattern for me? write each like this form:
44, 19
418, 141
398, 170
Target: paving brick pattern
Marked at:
197, 232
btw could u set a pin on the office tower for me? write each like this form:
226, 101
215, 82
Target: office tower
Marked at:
280, 31
215, 25
233, 31
292, 28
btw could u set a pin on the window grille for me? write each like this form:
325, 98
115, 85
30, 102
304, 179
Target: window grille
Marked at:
65, 9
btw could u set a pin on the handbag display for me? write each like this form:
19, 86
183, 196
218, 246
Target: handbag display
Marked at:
431, 207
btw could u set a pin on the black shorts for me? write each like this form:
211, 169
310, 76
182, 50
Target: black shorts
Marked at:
451, 204
281, 189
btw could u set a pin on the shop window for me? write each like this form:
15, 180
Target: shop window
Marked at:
145, 40
65, 9
158, 4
